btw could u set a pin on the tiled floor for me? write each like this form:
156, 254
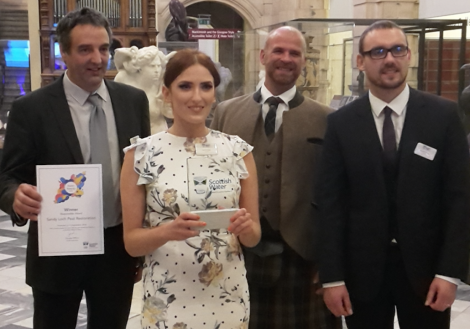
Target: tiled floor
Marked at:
16, 300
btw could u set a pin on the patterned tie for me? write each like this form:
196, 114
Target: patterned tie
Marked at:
388, 138
99, 149
270, 120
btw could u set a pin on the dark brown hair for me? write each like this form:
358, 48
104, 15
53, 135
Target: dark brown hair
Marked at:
83, 16
185, 58
379, 25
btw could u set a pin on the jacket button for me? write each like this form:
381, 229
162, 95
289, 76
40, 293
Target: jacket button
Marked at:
268, 153
266, 195
267, 180
264, 209
268, 166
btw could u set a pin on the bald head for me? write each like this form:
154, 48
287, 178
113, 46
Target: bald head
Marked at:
283, 58
287, 31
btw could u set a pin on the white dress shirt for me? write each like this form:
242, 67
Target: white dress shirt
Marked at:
286, 97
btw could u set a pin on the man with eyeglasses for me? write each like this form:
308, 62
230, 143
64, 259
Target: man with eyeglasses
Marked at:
393, 193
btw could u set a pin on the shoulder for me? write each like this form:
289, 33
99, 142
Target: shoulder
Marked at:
121, 87
317, 107
235, 102
235, 144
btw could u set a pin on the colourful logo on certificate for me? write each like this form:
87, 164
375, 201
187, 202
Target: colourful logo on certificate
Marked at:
70, 187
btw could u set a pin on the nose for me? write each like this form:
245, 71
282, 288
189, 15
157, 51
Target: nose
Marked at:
96, 56
285, 57
197, 94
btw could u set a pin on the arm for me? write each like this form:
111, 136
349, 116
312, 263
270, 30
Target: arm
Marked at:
245, 223
18, 168
138, 240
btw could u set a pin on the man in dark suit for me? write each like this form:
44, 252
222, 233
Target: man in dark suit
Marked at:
52, 126
287, 136
394, 196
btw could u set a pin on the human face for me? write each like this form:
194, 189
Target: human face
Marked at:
283, 60
387, 76
191, 96
151, 73
88, 56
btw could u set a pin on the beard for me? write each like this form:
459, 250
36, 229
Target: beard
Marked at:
384, 82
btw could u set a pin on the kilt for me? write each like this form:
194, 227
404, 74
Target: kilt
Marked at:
282, 293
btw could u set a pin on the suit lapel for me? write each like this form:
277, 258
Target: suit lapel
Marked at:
249, 117
367, 130
60, 107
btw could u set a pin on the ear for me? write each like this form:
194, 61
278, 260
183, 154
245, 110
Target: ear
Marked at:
63, 54
360, 62
262, 54
166, 94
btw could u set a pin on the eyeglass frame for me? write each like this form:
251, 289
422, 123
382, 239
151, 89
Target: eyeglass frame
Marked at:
388, 50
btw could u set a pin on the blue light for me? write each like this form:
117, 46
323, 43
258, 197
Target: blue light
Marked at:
17, 53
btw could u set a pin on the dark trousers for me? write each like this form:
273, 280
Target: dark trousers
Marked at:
108, 287
396, 293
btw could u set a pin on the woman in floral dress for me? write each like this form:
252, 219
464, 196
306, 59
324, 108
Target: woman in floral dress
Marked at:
192, 278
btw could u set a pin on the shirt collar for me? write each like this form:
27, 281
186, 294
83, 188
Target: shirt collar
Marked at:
286, 96
80, 95
398, 104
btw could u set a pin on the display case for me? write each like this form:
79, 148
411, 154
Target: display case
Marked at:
438, 48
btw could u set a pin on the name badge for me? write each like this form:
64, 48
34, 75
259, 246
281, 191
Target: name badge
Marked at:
425, 151
206, 149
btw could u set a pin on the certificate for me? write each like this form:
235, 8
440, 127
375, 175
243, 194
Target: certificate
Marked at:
71, 217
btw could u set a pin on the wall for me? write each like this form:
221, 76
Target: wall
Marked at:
341, 9
434, 8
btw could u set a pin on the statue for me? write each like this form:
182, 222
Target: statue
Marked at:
143, 68
177, 30
225, 79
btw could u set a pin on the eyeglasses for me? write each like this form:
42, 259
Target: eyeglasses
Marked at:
380, 52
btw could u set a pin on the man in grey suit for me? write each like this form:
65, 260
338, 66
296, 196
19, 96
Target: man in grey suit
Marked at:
286, 130
53, 126
394, 196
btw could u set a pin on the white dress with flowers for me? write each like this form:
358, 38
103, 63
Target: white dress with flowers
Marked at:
200, 282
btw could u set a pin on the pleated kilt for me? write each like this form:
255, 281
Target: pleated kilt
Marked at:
282, 293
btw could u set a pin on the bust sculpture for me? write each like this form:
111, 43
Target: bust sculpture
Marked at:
143, 68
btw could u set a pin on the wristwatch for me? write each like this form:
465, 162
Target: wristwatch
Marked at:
18, 220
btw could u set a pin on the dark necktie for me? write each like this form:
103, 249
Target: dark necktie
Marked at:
388, 138
99, 153
270, 120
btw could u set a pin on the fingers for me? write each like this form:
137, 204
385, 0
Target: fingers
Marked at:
27, 202
337, 300
441, 294
241, 222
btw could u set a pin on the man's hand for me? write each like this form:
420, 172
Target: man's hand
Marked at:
337, 300
441, 294
27, 202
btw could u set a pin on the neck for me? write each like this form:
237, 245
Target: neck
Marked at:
275, 89
387, 95
188, 130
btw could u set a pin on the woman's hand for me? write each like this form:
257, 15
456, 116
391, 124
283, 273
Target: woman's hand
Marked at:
241, 223
182, 227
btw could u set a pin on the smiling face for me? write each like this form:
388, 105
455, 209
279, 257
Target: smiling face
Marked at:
191, 96
283, 59
387, 76
88, 56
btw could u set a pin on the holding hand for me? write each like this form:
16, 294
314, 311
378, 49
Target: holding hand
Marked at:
241, 223
27, 202
182, 227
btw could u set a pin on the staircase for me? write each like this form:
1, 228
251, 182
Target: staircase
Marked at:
14, 82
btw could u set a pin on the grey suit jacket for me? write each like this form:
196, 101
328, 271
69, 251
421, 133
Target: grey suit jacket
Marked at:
303, 128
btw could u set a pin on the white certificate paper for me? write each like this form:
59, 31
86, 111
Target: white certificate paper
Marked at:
71, 218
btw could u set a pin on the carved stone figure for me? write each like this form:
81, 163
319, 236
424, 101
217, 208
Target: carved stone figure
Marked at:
143, 68
177, 30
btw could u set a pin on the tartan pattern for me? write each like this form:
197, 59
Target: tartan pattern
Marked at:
291, 301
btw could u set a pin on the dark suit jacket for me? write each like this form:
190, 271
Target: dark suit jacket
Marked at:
432, 202
41, 132
303, 129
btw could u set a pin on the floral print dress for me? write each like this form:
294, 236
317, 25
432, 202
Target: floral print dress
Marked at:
200, 282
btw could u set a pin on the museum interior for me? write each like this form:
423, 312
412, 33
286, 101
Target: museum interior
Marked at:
233, 34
